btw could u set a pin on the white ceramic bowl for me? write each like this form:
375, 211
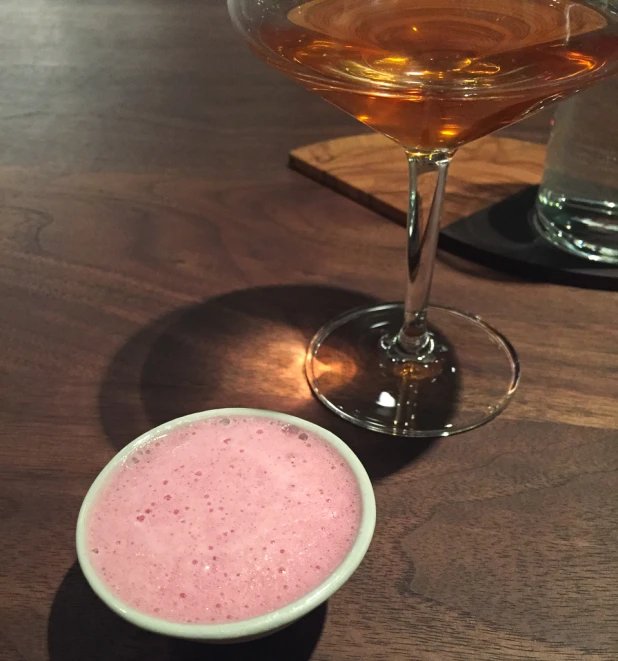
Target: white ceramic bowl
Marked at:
256, 626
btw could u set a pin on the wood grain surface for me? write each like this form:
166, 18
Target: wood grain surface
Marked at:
157, 257
372, 170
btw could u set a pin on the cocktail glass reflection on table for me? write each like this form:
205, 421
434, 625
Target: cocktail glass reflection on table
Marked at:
432, 75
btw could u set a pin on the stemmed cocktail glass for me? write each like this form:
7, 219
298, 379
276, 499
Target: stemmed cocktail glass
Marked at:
432, 75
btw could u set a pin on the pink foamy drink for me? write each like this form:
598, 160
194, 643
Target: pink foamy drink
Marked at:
223, 519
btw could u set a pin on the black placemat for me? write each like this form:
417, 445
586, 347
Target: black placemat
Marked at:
503, 238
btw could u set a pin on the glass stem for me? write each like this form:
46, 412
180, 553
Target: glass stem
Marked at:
424, 210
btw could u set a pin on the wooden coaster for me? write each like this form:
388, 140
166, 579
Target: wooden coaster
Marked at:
490, 194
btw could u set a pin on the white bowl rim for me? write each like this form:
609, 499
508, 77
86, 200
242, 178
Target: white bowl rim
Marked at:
261, 624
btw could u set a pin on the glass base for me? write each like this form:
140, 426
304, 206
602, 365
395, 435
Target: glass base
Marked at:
469, 378
584, 228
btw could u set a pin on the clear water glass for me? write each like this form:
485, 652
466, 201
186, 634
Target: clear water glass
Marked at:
577, 204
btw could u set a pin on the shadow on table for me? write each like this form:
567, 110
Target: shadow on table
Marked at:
82, 628
245, 348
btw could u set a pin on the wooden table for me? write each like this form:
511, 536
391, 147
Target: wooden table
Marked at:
158, 257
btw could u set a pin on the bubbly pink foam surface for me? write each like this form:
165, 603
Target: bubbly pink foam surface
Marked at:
223, 520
